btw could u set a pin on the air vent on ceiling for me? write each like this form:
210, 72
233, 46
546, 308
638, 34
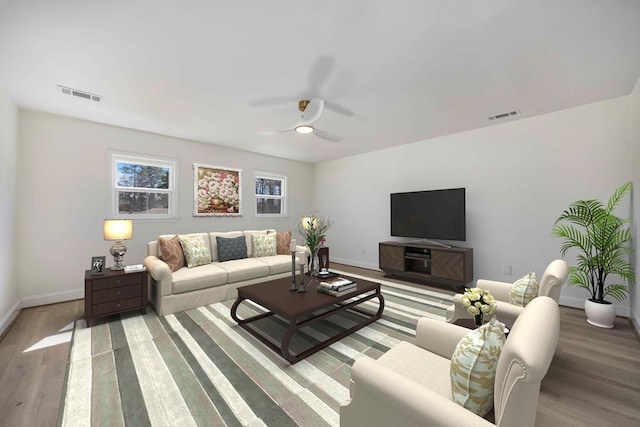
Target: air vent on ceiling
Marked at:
504, 115
79, 93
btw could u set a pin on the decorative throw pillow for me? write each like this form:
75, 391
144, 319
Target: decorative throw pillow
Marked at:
196, 250
231, 248
171, 252
473, 367
263, 245
283, 243
524, 290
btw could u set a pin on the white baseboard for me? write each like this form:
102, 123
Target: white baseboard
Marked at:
36, 300
53, 297
355, 263
8, 318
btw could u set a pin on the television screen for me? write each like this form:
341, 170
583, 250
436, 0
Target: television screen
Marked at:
435, 214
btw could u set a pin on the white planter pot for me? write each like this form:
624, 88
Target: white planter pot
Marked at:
600, 315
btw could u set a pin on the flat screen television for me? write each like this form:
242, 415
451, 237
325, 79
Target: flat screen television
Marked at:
434, 214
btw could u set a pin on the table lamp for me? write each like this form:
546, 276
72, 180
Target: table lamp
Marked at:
309, 222
118, 230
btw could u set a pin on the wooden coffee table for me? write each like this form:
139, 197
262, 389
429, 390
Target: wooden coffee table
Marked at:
303, 309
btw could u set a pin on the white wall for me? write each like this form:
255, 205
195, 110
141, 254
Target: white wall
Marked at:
9, 303
519, 177
63, 173
634, 161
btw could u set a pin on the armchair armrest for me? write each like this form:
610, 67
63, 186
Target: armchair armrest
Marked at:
457, 310
499, 290
382, 397
439, 337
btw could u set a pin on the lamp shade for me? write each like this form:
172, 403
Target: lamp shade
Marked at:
309, 222
118, 229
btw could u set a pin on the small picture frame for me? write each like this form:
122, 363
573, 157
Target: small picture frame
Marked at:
97, 264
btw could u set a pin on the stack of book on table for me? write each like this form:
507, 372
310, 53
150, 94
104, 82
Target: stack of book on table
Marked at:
336, 286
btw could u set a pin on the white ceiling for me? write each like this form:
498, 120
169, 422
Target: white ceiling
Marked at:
398, 71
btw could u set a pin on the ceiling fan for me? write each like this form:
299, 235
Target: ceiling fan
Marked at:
311, 111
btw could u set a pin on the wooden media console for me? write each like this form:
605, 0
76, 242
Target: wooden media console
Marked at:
428, 263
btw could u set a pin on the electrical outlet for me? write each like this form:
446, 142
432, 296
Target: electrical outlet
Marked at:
364, 251
506, 269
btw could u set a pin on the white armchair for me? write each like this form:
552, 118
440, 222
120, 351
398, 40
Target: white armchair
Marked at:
552, 280
410, 384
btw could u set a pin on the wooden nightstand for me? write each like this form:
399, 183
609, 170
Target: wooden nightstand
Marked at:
114, 292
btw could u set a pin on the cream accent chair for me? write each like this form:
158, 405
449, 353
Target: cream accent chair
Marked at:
410, 384
552, 280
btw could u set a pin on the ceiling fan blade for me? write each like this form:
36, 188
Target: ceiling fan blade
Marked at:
275, 132
338, 109
326, 135
312, 111
320, 72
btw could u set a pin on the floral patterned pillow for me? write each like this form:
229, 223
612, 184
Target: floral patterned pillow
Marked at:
196, 250
524, 290
263, 245
473, 367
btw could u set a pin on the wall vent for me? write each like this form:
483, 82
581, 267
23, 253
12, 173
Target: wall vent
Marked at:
79, 93
504, 115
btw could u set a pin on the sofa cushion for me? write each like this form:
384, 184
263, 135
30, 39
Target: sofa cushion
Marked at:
263, 245
524, 290
473, 367
231, 248
277, 263
283, 243
202, 277
422, 366
214, 242
196, 250
239, 270
171, 252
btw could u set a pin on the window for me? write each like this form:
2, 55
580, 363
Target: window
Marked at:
271, 192
143, 187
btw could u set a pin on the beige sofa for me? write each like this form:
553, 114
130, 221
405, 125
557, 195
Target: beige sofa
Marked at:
206, 284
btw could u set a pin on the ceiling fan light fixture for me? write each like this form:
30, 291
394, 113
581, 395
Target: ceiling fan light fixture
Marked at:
304, 129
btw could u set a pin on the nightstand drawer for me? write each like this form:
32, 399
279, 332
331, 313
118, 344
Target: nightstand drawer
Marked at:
114, 282
116, 306
116, 294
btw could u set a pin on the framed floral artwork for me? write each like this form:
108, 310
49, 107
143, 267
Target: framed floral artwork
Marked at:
216, 191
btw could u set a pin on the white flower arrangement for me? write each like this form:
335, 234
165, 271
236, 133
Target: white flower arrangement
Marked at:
478, 301
218, 187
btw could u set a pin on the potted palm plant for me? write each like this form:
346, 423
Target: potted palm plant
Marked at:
603, 244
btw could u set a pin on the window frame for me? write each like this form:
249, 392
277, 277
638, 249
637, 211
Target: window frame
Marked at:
283, 194
145, 160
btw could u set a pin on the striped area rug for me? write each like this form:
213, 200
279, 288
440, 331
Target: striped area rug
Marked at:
198, 368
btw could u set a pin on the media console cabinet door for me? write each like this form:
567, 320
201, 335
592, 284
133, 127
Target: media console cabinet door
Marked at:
447, 265
391, 257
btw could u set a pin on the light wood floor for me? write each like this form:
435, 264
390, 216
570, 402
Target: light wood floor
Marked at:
594, 379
